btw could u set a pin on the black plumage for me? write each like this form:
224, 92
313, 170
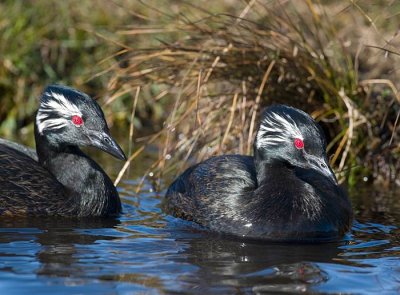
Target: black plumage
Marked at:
60, 179
286, 192
19, 147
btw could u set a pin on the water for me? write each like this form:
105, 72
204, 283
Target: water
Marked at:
146, 252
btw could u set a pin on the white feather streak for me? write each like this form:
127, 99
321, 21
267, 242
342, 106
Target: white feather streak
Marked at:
58, 105
276, 129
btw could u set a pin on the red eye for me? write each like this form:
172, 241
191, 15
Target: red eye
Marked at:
77, 120
298, 143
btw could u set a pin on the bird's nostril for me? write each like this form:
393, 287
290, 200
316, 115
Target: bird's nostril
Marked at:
107, 140
323, 165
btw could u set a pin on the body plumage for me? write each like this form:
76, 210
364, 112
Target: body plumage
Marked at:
60, 179
286, 192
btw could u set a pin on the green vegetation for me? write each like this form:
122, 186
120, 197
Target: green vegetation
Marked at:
195, 79
44, 42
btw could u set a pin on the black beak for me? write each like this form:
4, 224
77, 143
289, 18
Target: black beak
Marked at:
104, 141
321, 165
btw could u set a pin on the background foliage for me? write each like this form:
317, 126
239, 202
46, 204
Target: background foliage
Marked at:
191, 78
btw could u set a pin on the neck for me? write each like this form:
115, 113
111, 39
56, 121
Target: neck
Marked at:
271, 169
85, 183
265, 165
300, 202
280, 178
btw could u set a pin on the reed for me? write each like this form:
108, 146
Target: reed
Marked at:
214, 72
198, 77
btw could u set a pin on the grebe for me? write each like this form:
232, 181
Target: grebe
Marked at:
286, 192
63, 180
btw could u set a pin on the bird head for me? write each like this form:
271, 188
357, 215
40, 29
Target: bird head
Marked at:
290, 135
68, 117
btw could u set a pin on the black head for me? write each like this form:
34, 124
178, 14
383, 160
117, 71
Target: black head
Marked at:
68, 117
290, 135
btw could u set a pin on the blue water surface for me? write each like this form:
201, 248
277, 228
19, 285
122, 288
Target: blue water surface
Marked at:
147, 252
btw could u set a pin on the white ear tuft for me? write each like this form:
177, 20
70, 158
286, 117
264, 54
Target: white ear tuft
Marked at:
276, 129
55, 111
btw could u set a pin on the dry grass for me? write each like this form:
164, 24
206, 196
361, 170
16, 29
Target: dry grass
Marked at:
207, 73
222, 69
200, 77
